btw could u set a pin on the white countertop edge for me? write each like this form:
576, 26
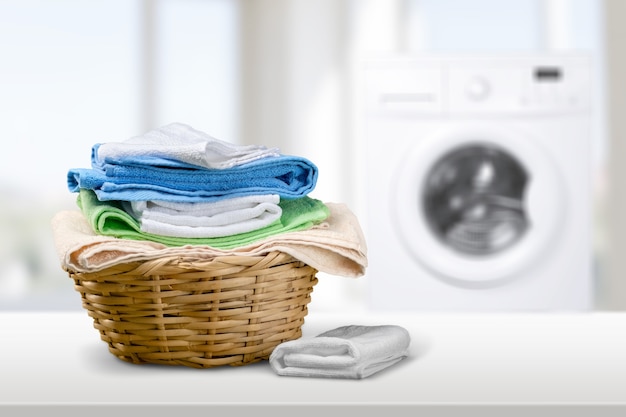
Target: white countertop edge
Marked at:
315, 410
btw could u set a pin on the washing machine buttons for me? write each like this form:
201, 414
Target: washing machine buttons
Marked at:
478, 88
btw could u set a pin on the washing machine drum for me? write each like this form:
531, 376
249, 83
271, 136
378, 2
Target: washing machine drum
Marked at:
477, 208
473, 199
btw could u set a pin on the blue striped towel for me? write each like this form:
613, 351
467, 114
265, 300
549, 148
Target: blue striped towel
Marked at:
143, 178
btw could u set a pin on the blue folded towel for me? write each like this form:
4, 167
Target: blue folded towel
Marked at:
144, 178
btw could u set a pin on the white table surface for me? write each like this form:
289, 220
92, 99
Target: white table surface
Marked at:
456, 361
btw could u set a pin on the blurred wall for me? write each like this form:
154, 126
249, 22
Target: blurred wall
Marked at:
613, 289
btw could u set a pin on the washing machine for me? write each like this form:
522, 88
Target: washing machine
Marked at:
477, 182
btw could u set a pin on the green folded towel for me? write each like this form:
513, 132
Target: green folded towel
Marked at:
108, 218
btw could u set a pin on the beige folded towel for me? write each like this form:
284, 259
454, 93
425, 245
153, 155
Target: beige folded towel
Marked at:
336, 246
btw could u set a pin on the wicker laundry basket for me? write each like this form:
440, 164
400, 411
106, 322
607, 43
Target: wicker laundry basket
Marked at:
231, 310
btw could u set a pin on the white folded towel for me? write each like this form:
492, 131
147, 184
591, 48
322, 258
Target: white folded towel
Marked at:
336, 246
226, 217
179, 142
352, 352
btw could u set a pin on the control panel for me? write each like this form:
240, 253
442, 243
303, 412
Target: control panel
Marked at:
480, 85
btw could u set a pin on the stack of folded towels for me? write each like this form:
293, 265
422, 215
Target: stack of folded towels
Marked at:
176, 188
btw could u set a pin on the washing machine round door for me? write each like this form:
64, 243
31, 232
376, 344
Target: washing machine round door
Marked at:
477, 206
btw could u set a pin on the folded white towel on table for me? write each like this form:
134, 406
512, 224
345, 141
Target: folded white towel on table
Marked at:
181, 143
352, 352
226, 217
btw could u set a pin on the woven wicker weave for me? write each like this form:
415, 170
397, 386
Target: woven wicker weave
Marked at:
231, 310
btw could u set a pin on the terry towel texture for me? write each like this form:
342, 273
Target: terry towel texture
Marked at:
160, 194
180, 142
110, 219
142, 179
194, 220
336, 246
352, 352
